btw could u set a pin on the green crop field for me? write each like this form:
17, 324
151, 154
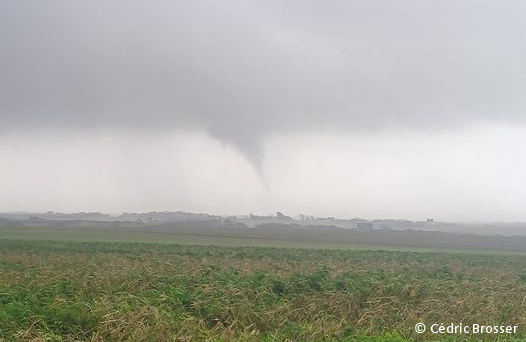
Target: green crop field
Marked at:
116, 291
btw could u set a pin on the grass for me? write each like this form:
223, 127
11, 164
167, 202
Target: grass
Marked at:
80, 291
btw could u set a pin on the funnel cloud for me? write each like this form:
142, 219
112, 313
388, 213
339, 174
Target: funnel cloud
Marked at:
253, 75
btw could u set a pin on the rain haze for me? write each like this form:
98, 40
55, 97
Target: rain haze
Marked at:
376, 109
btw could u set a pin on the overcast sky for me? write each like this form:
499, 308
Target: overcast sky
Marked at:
374, 109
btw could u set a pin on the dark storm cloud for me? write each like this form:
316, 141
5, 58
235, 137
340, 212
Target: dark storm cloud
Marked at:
243, 70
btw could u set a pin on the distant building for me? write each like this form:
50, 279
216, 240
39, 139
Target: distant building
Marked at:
281, 216
430, 222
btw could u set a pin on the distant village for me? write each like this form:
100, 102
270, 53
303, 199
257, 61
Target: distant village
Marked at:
247, 221
277, 220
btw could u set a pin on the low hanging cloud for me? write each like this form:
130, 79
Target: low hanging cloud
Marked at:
245, 70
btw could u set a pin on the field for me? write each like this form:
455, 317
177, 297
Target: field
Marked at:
277, 237
116, 291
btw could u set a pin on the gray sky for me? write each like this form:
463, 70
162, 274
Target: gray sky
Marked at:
404, 108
